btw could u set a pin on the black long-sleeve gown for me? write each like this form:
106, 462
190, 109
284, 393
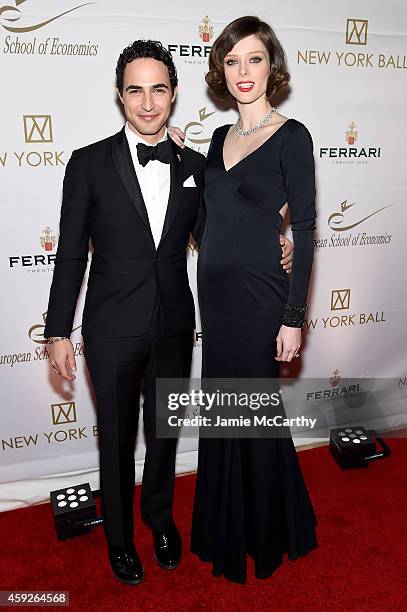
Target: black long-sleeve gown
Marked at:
250, 494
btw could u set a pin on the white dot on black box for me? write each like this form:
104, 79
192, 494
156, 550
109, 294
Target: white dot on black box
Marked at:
83, 498
356, 441
345, 439
72, 497
81, 491
61, 504
73, 504
363, 437
61, 496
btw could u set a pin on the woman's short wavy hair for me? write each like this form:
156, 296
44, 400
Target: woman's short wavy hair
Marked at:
231, 35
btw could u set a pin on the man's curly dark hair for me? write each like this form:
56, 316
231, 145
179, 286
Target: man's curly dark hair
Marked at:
145, 48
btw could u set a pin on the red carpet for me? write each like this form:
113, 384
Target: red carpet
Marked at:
360, 564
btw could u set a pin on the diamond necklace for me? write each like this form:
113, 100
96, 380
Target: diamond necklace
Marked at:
253, 129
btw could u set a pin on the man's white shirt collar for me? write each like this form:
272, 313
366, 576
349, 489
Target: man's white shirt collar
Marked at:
134, 139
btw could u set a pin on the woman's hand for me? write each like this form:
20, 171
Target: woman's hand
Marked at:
177, 135
288, 343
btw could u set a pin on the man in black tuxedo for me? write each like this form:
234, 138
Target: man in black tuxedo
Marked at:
137, 196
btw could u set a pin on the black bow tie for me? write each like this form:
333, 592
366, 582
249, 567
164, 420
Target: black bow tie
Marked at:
160, 152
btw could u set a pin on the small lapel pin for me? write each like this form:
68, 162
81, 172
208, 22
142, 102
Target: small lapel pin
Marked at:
178, 157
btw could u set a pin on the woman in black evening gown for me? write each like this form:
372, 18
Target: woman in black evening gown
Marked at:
250, 494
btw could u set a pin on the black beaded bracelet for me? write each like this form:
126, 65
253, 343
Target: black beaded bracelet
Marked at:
294, 316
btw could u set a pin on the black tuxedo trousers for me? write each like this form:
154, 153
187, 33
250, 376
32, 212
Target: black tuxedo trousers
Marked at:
118, 368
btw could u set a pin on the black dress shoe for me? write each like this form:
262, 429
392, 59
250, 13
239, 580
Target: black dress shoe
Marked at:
126, 564
167, 548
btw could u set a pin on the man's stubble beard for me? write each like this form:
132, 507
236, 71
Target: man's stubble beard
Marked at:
144, 131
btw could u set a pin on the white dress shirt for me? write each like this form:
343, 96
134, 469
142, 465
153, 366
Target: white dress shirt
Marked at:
155, 181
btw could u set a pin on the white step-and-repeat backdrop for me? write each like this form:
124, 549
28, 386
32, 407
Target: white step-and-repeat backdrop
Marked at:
348, 65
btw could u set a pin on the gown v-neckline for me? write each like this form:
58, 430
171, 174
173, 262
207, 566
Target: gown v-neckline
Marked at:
227, 170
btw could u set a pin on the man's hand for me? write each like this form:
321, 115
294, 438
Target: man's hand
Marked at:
287, 249
62, 358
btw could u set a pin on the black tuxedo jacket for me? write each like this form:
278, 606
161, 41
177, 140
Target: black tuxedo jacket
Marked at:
102, 201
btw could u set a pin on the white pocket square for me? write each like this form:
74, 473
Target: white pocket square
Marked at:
189, 182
